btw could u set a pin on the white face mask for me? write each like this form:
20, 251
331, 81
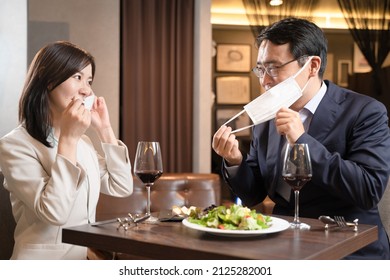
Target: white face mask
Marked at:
88, 102
265, 107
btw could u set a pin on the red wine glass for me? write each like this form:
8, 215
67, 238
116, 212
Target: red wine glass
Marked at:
148, 168
297, 171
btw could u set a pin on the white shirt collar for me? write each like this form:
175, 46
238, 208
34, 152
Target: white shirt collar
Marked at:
310, 108
315, 101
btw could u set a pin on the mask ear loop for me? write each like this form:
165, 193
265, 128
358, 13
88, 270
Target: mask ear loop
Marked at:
232, 118
300, 71
235, 116
303, 67
304, 87
242, 128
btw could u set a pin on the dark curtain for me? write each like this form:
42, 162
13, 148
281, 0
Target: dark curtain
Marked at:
260, 13
157, 78
369, 23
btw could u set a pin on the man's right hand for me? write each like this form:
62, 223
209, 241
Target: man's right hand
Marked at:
225, 145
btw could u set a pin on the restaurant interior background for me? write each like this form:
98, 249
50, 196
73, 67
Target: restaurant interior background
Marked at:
219, 27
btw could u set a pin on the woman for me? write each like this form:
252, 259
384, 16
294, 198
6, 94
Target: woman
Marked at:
51, 169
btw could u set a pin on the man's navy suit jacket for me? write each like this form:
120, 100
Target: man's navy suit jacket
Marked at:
349, 144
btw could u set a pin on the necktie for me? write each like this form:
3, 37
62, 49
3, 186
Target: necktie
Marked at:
283, 189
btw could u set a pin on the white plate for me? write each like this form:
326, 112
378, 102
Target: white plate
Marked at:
277, 225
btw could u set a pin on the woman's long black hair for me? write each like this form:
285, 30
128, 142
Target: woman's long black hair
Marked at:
51, 66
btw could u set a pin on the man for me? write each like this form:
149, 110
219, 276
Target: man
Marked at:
347, 134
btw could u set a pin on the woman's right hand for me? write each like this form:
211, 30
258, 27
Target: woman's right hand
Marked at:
75, 121
225, 145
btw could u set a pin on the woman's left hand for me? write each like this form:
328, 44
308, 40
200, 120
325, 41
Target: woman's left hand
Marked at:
99, 114
101, 121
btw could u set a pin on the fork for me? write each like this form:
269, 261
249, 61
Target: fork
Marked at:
340, 221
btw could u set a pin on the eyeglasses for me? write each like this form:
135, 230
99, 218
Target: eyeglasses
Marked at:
272, 71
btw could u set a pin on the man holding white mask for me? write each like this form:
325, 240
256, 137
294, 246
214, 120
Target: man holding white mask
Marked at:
347, 134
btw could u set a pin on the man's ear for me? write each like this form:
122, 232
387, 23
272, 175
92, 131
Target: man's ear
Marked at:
314, 66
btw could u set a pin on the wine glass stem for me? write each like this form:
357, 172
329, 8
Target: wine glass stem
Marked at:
148, 199
296, 212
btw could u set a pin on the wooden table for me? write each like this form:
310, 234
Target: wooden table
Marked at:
172, 240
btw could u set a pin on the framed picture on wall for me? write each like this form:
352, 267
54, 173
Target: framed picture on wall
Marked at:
343, 70
360, 63
233, 58
328, 75
233, 90
224, 114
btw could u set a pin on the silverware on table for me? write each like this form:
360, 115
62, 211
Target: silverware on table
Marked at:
126, 222
141, 219
338, 221
104, 222
123, 222
170, 216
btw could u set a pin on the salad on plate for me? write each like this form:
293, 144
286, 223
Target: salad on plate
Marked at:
234, 217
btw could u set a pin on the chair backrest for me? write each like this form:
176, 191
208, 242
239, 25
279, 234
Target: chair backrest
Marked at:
384, 209
189, 189
7, 223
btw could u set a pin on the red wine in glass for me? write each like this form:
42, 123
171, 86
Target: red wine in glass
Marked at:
296, 182
149, 176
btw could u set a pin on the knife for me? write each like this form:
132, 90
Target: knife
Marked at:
104, 222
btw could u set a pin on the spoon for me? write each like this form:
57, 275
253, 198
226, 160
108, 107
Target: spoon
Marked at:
141, 219
327, 220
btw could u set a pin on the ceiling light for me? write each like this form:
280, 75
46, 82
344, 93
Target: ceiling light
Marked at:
276, 2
